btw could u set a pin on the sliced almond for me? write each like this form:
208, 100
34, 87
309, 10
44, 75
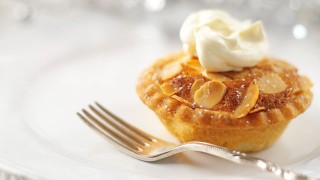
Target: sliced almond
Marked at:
168, 89
305, 83
194, 64
271, 83
237, 74
181, 100
170, 70
294, 91
261, 108
195, 86
248, 101
185, 58
210, 94
279, 66
215, 76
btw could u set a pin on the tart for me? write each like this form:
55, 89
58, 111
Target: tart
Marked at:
243, 110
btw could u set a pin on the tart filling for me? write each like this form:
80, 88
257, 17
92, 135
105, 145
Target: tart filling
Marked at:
268, 85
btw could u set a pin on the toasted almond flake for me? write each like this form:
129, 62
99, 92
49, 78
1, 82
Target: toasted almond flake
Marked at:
294, 91
271, 83
280, 65
194, 64
168, 89
215, 76
185, 59
195, 86
210, 94
181, 100
248, 101
277, 69
290, 91
170, 70
261, 108
305, 83
237, 74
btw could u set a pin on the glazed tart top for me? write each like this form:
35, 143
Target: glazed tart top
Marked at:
268, 85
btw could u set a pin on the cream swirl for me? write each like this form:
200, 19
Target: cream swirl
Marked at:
223, 43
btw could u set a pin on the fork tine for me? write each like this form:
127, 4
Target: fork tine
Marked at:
122, 130
107, 132
128, 126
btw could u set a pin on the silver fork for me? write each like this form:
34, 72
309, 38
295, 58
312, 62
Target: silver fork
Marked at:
143, 146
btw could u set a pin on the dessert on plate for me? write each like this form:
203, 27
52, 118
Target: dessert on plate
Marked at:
223, 88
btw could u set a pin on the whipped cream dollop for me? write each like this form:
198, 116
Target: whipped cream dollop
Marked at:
222, 43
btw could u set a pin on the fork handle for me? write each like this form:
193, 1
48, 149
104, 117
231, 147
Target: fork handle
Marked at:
242, 158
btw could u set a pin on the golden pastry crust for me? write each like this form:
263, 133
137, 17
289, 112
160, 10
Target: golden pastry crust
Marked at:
258, 126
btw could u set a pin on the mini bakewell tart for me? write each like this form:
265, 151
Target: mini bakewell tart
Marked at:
242, 110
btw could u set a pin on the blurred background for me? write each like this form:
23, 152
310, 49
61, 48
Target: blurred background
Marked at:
49, 25
297, 15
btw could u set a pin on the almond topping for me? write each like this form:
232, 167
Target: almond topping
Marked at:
195, 86
261, 108
248, 101
168, 89
271, 83
194, 64
185, 59
181, 100
237, 75
305, 83
215, 76
170, 70
210, 94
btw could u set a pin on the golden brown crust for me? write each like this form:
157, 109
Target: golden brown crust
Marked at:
252, 132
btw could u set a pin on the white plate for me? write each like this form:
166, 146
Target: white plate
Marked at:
41, 136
